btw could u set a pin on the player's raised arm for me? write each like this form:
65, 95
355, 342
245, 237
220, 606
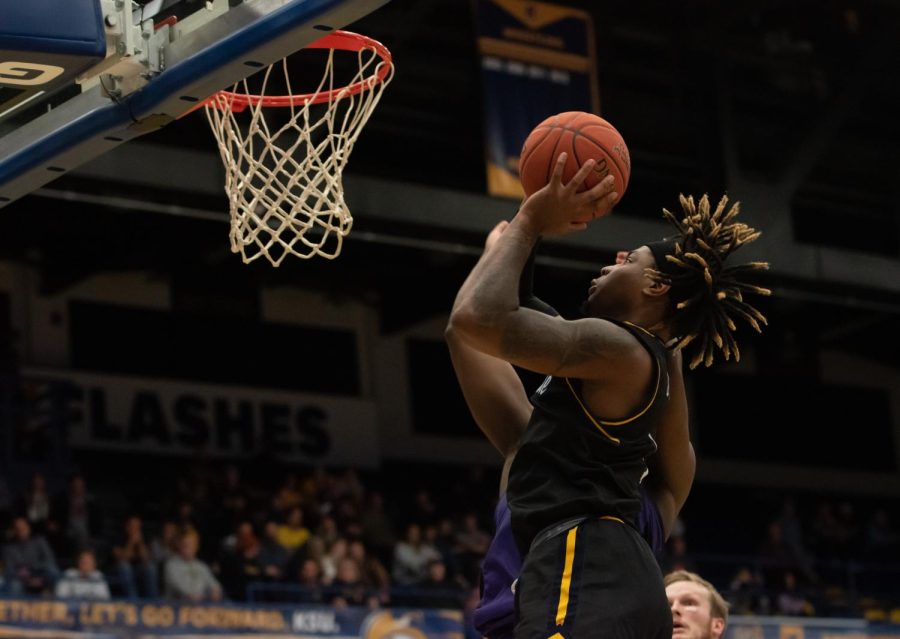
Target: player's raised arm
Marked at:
488, 316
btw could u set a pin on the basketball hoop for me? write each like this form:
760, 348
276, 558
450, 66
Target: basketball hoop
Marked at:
283, 178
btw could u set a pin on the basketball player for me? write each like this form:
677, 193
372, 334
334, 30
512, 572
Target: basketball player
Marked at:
495, 396
698, 610
573, 486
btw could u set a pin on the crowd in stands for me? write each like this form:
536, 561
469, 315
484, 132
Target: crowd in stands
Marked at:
324, 537
832, 563
317, 538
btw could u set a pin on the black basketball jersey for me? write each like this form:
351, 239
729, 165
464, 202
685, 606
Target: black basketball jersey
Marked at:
571, 463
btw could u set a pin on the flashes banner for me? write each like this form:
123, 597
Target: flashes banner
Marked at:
158, 416
49, 619
537, 59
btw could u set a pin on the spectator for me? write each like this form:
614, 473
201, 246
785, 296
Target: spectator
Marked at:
790, 601
314, 548
77, 515
346, 513
273, 556
186, 577
165, 544
186, 520
234, 500
310, 579
424, 511
374, 574
468, 494
348, 486
792, 533
377, 528
83, 582
881, 539
348, 588
241, 565
289, 495
411, 557
6, 503
310, 487
36, 506
471, 539
29, 561
774, 556
826, 533
327, 532
848, 531
471, 544
196, 512
332, 560
134, 562
293, 535
746, 594
322, 488
677, 557
437, 590
443, 538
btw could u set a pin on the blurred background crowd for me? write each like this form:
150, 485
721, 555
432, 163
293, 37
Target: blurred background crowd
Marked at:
224, 532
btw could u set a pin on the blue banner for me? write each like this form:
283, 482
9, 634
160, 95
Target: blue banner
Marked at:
805, 628
50, 619
537, 59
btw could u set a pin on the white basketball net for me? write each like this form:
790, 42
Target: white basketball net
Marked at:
284, 179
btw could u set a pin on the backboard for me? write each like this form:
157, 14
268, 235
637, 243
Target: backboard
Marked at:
125, 68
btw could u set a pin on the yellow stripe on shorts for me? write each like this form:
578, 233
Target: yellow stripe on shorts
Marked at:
566, 578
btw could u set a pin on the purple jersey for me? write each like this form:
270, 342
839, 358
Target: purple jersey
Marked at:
650, 525
495, 616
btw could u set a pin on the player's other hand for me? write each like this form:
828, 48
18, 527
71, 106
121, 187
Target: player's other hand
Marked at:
558, 209
494, 235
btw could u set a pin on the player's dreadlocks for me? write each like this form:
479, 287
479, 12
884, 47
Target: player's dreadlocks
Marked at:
707, 294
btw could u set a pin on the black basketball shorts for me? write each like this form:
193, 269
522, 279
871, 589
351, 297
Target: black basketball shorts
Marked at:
597, 579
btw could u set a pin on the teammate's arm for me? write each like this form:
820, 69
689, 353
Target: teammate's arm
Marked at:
493, 392
673, 465
492, 389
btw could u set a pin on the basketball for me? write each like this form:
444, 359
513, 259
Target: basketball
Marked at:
583, 136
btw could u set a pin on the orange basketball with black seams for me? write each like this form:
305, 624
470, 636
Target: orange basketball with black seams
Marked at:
583, 136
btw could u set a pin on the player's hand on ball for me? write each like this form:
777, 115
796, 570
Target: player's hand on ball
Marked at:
558, 209
494, 235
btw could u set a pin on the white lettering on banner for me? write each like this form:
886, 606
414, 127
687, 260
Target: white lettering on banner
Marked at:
168, 417
747, 632
28, 73
315, 622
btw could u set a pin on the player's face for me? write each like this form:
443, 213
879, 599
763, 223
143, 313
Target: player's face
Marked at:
618, 287
691, 614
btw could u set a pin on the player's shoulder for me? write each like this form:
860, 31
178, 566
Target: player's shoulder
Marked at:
619, 349
620, 338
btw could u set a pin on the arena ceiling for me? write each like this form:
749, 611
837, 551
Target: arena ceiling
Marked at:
795, 102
